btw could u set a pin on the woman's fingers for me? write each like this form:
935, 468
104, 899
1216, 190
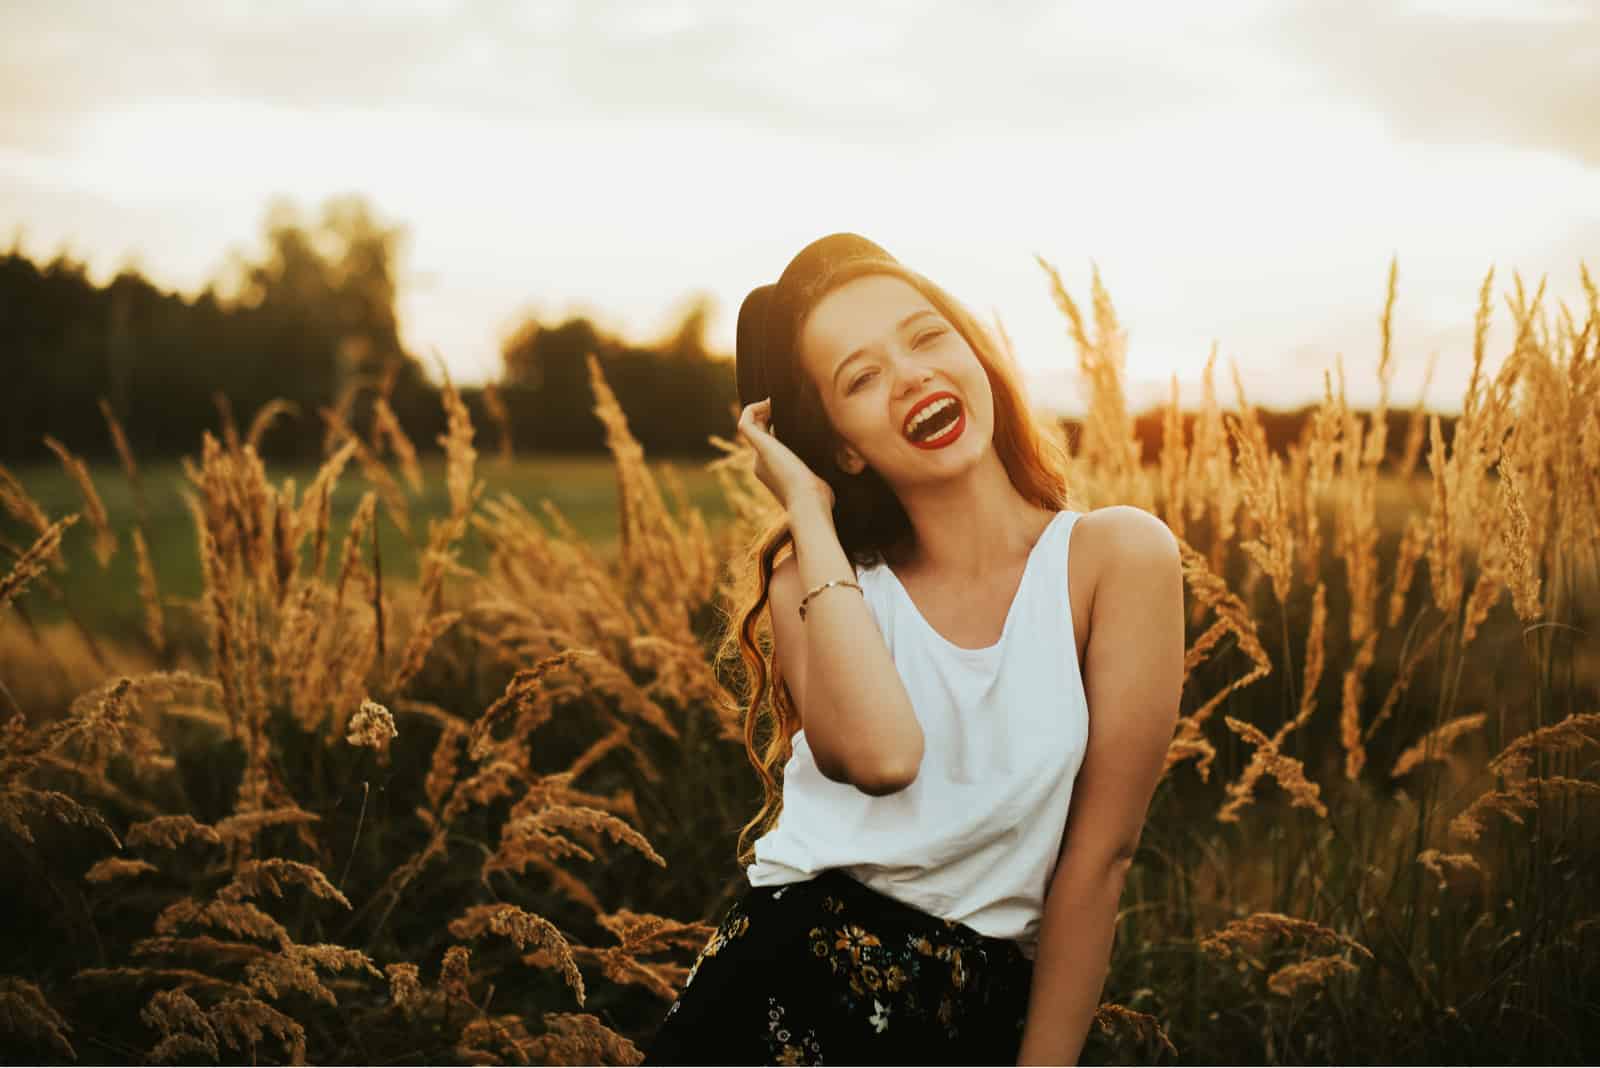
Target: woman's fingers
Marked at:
756, 414
755, 427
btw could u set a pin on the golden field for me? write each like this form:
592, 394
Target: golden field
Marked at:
471, 795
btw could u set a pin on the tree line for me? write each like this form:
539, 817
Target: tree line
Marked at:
312, 324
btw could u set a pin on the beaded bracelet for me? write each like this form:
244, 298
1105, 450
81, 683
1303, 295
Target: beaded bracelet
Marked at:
825, 585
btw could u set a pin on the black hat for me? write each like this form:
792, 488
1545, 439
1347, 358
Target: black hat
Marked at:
770, 313
749, 366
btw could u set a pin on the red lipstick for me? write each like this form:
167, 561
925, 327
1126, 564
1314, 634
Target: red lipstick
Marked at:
949, 433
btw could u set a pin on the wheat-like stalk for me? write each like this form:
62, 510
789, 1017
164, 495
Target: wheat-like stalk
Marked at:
265, 416
31, 564
579, 1038
119, 441
1412, 545
524, 929
244, 1022
1265, 495
1486, 593
241, 919
19, 504
113, 868
1111, 448
1573, 732
243, 826
460, 456
170, 832
1316, 654
254, 878
149, 594
1252, 932
1402, 680
1355, 752
1267, 760
423, 638
105, 542
24, 1011
1432, 746
374, 470
1511, 802
185, 1028
1444, 866
1232, 618
1111, 1019
1310, 974
496, 407
386, 425
1174, 464
1411, 451
1520, 548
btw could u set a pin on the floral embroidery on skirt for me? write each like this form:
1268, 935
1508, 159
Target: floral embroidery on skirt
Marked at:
832, 968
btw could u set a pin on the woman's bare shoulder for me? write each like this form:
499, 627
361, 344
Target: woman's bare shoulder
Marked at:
1121, 536
1126, 525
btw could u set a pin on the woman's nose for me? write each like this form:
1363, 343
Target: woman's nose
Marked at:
911, 374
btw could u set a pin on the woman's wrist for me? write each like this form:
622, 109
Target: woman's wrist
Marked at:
816, 545
810, 511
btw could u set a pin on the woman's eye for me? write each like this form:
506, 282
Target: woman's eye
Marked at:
925, 335
865, 377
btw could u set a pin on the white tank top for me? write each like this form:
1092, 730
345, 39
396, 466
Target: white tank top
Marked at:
976, 835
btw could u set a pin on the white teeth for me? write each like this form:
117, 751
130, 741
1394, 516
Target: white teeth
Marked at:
921, 417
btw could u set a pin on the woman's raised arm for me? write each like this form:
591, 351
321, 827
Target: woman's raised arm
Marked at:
853, 707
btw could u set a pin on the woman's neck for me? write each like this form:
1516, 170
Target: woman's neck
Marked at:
967, 528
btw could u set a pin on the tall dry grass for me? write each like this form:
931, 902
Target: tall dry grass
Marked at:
486, 817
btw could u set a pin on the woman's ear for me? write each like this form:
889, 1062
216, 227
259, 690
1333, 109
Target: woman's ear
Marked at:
849, 461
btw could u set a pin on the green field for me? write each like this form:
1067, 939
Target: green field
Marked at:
584, 489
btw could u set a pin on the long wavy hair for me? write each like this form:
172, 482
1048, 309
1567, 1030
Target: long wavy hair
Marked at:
872, 524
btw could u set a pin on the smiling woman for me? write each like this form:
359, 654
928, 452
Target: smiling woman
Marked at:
919, 891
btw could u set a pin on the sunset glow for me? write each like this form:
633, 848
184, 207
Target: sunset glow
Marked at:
1239, 176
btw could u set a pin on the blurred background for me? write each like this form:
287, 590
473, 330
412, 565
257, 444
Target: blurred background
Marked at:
280, 200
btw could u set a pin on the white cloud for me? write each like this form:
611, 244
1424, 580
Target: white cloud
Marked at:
1487, 71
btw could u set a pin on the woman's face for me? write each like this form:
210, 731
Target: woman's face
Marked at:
878, 352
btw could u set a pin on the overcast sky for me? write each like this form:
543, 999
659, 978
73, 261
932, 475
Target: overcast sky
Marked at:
1241, 172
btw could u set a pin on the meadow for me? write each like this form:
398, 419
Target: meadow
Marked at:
583, 488
399, 761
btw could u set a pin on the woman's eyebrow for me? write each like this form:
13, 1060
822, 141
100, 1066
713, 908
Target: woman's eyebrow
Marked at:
901, 325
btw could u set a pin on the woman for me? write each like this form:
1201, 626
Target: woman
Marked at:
938, 880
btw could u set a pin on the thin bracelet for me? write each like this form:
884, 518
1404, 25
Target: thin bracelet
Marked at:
825, 585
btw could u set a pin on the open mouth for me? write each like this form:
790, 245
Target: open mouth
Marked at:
937, 423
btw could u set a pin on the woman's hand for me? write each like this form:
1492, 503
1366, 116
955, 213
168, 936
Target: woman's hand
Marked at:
777, 466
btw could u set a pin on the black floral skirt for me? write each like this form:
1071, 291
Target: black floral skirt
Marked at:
831, 971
